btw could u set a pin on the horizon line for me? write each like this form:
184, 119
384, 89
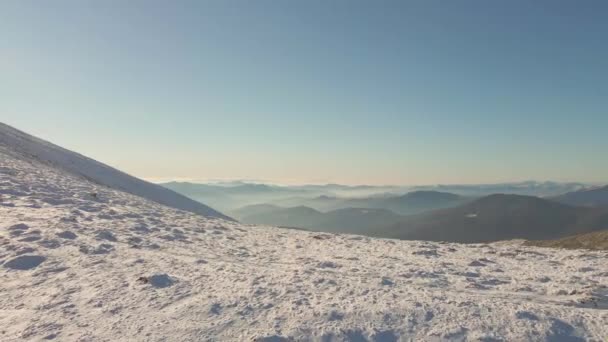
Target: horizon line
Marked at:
215, 181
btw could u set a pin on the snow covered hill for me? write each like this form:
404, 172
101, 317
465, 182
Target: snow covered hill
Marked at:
118, 267
22, 145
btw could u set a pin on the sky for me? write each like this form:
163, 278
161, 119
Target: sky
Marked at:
315, 91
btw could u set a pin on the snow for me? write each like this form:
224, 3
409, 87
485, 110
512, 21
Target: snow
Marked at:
118, 267
21, 144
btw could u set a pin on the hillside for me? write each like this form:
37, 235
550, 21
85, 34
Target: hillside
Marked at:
593, 241
119, 267
596, 197
18, 144
499, 217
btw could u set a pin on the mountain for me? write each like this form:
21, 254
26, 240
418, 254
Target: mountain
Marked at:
196, 189
346, 190
407, 204
499, 217
349, 220
420, 201
234, 195
594, 241
354, 220
298, 217
120, 267
254, 209
529, 188
596, 197
22, 145
231, 196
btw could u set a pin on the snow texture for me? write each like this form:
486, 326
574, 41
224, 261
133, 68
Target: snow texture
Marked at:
22, 144
118, 267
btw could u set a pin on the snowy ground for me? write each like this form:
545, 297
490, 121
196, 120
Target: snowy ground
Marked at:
115, 267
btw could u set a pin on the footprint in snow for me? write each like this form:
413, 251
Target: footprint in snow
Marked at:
328, 264
106, 235
274, 338
385, 336
493, 282
526, 315
487, 261
25, 250
335, 316
387, 282
476, 263
67, 235
471, 274
16, 233
141, 229
50, 244
25, 262
104, 248
30, 238
562, 331
427, 253
19, 227
157, 280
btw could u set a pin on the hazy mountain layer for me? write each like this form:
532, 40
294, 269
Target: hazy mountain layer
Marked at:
499, 217
595, 197
351, 220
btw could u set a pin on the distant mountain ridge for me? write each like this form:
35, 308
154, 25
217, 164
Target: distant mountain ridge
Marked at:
595, 197
403, 200
406, 204
491, 218
527, 188
351, 220
499, 217
20, 144
422, 200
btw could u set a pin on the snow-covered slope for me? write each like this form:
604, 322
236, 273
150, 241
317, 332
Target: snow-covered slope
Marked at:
20, 144
117, 267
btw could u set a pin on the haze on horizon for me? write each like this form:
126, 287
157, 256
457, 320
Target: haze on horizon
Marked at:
408, 93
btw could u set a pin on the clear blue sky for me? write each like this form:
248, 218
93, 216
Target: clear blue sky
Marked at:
378, 92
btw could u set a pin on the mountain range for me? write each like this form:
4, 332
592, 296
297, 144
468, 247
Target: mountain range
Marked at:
529, 188
351, 220
490, 218
405, 204
229, 196
499, 217
594, 197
